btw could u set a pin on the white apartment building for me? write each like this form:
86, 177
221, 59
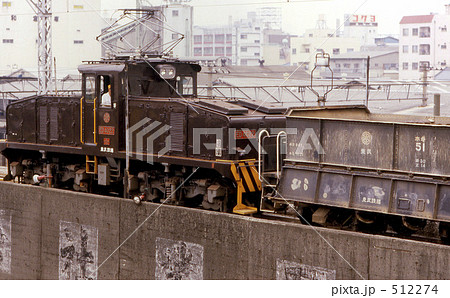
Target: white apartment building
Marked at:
305, 48
364, 27
75, 26
249, 37
179, 20
424, 41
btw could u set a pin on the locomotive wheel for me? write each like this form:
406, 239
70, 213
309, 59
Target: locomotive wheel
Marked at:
444, 232
369, 222
406, 226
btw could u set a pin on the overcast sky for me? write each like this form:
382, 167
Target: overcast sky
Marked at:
301, 14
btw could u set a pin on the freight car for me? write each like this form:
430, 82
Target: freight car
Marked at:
139, 129
344, 163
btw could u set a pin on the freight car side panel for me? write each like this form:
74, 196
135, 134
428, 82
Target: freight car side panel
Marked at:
424, 149
358, 144
367, 193
402, 147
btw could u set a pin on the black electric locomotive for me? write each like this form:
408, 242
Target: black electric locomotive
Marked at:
139, 129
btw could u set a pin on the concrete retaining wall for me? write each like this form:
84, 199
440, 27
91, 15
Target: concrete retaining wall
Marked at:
54, 234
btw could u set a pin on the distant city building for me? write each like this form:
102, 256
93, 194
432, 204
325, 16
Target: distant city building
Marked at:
276, 47
249, 37
424, 42
364, 27
214, 44
271, 17
354, 64
321, 39
74, 28
387, 40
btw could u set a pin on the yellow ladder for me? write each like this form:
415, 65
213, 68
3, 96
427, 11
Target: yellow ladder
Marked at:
91, 163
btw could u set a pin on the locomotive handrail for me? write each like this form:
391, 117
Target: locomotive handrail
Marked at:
259, 151
81, 120
278, 152
95, 121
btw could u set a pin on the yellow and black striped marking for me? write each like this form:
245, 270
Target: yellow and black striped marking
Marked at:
247, 179
247, 173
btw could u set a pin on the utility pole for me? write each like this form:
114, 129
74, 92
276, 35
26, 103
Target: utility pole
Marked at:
43, 10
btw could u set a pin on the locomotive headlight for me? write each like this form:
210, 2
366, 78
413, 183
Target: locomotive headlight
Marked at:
166, 72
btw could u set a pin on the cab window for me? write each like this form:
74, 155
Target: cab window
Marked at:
89, 95
105, 91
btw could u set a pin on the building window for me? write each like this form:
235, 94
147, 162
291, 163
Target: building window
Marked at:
349, 50
294, 51
405, 65
220, 38
257, 28
56, 19
307, 50
244, 49
336, 51
424, 65
311, 35
6, 4
208, 51
229, 38
229, 51
415, 32
197, 51
243, 36
415, 49
174, 13
415, 66
77, 6
243, 61
424, 49
220, 51
257, 41
78, 42
256, 54
405, 49
209, 38
356, 65
405, 31
174, 36
425, 32
197, 39
347, 65
8, 41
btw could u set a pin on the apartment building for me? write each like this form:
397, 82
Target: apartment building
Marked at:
424, 42
75, 26
214, 43
305, 48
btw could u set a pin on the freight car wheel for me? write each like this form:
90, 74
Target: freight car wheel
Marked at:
368, 222
406, 226
304, 213
444, 232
